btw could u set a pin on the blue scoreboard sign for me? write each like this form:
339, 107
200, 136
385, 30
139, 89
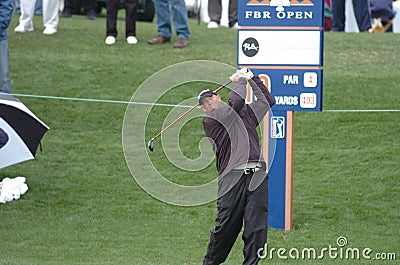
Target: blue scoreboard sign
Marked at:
282, 42
294, 89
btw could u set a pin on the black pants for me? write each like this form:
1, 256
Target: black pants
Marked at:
130, 18
361, 12
235, 207
215, 10
75, 5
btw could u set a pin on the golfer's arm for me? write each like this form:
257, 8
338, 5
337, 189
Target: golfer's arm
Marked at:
261, 99
237, 95
263, 90
228, 113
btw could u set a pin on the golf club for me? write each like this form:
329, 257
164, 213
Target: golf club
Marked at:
150, 143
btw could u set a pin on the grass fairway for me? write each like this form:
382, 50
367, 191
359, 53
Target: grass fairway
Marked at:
84, 207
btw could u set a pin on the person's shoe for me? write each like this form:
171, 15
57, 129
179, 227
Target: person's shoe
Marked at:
66, 13
110, 40
181, 43
22, 29
131, 40
49, 31
235, 26
91, 15
212, 25
159, 39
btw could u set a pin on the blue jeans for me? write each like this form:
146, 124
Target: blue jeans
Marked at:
4, 74
179, 18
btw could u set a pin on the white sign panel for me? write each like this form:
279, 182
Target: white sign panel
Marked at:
287, 47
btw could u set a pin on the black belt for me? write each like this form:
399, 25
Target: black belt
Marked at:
248, 171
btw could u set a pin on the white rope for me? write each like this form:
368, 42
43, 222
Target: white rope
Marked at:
180, 106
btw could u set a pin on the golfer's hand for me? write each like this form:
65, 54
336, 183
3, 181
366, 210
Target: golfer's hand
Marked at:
244, 72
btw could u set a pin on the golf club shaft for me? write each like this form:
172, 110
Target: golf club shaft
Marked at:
186, 112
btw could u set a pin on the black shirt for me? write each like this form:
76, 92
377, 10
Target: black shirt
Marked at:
232, 127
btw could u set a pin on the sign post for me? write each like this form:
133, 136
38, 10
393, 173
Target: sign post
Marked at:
282, 42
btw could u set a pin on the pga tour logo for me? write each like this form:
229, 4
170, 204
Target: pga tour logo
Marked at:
277, 127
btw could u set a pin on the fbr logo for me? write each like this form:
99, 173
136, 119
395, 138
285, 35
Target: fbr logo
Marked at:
277, 127
280, 4
250, 47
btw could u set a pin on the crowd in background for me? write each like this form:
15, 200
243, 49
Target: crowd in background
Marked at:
371, 16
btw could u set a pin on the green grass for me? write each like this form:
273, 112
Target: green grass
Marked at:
84, 207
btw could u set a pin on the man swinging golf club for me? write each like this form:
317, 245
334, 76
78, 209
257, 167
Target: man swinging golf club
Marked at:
242, 178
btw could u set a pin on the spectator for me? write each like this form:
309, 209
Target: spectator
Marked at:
74, 7
361, 11
50, 16
38, 8
6, 8
179, 18
214, 12
130, 21
382, 14
327, 16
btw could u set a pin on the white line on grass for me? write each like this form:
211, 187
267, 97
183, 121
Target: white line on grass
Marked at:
168, 105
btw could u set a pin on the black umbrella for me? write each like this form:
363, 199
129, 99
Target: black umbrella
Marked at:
21, 132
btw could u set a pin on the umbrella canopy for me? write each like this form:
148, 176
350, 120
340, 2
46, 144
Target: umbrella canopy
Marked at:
20, 131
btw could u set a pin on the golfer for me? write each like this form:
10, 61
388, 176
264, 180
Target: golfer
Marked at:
242, 178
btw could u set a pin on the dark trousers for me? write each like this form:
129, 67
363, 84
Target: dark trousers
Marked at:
75, 5
236, 207
215, 9
130, 17
361, 12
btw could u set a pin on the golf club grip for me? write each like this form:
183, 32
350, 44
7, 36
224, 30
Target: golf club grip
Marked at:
186, 112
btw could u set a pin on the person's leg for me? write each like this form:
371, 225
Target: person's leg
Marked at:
362, 14
112, 12
180, 18
131, 17
68, 8
89, 6
338, 14
163, 17
228, 224
50, 14
27, 8
233, 12
4, 73
17, 7
38, 8
255, 222
214, 10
